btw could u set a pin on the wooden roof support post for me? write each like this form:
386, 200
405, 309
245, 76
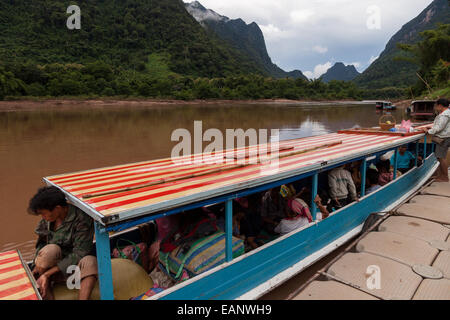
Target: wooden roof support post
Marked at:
417, 154
104, 262
424, 147
314, 189
363, 177
395, 163
229, 229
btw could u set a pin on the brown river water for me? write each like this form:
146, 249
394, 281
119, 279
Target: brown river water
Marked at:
39, 143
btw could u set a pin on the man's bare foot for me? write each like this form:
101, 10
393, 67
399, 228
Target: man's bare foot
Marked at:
441, 179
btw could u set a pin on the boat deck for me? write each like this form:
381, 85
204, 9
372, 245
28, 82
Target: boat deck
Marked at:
406, 256
15, 278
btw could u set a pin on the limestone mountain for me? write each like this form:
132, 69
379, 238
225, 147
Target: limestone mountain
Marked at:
247, 38
340, 72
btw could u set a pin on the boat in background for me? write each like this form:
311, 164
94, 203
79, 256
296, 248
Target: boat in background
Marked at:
422, 109
385, 105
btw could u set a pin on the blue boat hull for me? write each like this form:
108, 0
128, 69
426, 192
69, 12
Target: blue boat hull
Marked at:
233, 280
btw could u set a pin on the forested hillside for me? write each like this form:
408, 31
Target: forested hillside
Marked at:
138, 48
120, 33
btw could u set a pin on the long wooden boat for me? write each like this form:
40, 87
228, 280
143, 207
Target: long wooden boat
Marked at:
119, 198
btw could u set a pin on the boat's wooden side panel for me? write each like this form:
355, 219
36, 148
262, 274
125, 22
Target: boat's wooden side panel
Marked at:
234, 280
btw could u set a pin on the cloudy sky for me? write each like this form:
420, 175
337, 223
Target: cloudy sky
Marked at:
311, 35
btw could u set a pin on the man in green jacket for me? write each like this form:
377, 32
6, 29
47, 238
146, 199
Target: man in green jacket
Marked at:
65, 239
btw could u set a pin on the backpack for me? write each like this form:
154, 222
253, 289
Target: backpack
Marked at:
189, 234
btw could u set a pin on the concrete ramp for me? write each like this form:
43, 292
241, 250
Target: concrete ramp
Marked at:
409, 256
397, 281
432, 200
442, 263
332, 290
400, 248
438, 188
433, 212
433, 290
416, 228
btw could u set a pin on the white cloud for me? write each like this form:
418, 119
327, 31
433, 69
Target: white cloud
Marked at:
358, 65
320, 49
293, 28
272, 33
301, 16
319, 70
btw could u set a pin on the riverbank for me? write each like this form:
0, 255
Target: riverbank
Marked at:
68, 103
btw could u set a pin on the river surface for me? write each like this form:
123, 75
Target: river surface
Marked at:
40, 143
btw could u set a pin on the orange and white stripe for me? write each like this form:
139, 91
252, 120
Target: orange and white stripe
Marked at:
118, 178
15, 283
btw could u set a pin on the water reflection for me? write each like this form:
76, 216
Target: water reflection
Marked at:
35, 144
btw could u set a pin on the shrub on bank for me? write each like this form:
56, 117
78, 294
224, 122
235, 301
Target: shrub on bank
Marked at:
99, 79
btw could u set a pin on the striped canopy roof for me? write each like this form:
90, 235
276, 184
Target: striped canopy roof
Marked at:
131, 190
15, 283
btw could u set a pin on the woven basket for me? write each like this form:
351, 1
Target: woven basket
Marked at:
387, 122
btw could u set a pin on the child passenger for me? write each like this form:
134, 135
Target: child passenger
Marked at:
384, 172
372, 179
247, 219
273, 209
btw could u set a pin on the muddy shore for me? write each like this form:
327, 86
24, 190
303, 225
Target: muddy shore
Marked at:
25, 105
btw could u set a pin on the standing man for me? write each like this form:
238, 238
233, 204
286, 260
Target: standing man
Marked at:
441, 130
65, 239
342, 187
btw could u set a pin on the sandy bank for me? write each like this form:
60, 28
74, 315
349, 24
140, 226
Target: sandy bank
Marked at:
22, 105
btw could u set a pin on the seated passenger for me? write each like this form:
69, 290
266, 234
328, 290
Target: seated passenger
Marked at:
372, 181
355, 169
66, 237
404, 160
305, 195
297, 215
342, 187
251, 225
323, 212
164, 226
384, 172
273, 209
